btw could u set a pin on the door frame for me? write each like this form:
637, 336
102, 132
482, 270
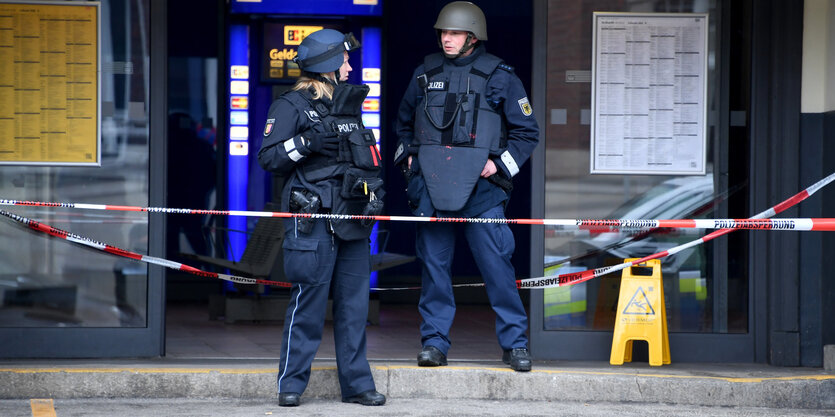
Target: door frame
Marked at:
113, 342
596, 345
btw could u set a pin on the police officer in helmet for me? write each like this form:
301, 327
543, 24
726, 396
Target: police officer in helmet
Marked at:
314, 137
465, 126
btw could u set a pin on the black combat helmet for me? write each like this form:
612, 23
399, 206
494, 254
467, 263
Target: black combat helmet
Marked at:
463, 16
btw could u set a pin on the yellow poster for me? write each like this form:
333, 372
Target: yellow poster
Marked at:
49, 83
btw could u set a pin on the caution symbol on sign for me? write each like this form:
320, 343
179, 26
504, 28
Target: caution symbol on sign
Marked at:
639, 304
643, 317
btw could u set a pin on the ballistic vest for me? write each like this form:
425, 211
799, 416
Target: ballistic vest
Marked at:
456, 128
352, 178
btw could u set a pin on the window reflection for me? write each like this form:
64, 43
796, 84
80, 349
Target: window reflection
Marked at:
49, 282
690, 279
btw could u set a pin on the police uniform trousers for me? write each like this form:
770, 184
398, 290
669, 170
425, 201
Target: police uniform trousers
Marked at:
492, 246
345, 267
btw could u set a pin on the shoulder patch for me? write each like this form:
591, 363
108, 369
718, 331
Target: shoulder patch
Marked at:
505, 67
525, 105
268, 128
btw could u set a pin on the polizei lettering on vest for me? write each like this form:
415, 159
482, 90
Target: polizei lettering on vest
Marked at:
347, 127
436, 85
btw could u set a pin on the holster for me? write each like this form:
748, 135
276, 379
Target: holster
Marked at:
505, 183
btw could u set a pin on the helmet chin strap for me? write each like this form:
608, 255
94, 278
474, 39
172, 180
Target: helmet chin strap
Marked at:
467, 46
321, 77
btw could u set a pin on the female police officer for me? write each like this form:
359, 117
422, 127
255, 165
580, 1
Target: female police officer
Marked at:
314, 136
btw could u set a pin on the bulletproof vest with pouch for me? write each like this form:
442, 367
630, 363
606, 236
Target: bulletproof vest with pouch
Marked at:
343, 116
456, 127
357, 164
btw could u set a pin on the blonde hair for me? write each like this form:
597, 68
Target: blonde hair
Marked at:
317, 87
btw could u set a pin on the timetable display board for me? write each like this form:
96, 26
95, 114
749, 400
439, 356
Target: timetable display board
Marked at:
649, 93
49, 83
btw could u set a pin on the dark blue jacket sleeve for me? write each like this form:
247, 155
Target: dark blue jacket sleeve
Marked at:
406, 119
508, 95
282, 147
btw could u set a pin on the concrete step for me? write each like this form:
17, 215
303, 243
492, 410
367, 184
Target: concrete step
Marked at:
746, 385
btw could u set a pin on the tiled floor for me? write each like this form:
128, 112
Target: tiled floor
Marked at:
190, 334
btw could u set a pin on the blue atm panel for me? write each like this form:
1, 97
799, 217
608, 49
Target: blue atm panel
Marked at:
261, 52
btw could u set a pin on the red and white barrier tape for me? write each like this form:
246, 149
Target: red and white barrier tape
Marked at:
578, 277
63, 234
597, 225
530, 283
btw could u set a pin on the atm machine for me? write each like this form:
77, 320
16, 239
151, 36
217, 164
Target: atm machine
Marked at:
262, 39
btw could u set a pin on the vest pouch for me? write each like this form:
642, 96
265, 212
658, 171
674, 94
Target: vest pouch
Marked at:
433, 112
486, 136
364, 152
464, 133
350, 229
359, 183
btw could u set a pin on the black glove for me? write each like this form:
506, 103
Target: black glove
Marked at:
325, 143
373, 208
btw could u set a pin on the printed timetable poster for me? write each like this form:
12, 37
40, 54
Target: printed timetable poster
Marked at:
649, 93
49, 83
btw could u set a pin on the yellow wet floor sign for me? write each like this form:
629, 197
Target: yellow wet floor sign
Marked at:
642, 314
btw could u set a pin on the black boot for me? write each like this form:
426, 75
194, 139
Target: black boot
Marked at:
288, 399
371, 397
431, 356
519, 359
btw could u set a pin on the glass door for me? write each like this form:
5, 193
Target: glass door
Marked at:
61, 299
706, 293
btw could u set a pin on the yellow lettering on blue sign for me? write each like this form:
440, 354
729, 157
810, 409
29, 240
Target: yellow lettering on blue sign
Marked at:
285, 53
